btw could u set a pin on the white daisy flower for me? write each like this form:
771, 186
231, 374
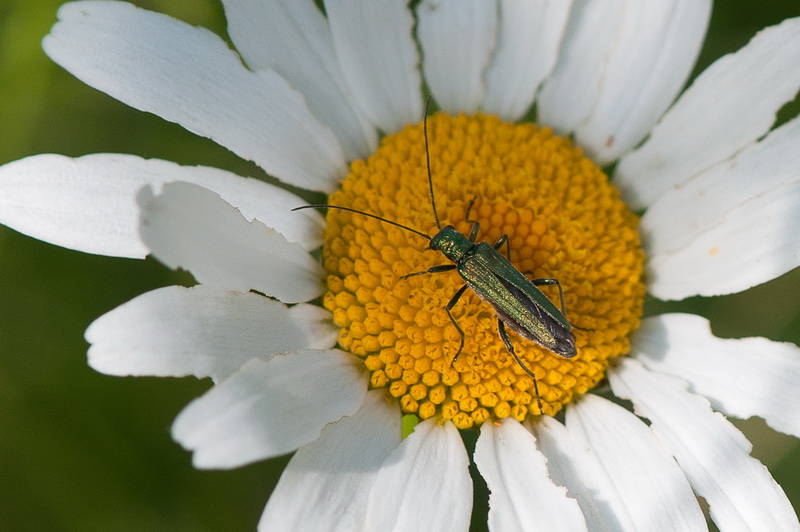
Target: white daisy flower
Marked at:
306, 98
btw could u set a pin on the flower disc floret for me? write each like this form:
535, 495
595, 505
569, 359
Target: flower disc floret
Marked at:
564, 220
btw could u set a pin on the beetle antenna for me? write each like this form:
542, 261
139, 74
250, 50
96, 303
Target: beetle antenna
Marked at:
401, 226
428, 162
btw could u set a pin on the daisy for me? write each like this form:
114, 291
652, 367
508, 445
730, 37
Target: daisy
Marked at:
307, 98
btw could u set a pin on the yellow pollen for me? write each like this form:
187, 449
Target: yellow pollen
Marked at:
564, 220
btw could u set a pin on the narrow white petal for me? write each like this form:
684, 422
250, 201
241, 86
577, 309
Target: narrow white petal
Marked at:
638, 486
729, 106
190, 227
318, 328
270, 408
293, 38
528, 41
200, 331
457, 39
568, 95
755, 242
616, 77
378, 57
556, 444
255, 199
89, 203
713, 454
188, 75
326, 484
424, 484
742, 378
522, 496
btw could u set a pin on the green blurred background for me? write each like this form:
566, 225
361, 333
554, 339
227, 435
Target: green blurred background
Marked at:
83, 451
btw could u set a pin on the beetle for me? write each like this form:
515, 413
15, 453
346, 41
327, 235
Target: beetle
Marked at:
516, 300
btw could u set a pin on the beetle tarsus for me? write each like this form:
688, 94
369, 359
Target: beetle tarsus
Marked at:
501, 328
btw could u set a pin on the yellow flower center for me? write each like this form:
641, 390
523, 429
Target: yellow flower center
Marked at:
564, 220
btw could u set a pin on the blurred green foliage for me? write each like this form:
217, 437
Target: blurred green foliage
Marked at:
83, 451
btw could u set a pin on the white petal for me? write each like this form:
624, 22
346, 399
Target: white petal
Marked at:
200, 331
556, 444
755, 242
742, 378
89, 203
522, 496
528, 40
424, 484
75, 203
327, 482
293, 38
318, 329
729, 106
637, 484
567, 97
256, 200
731, 223
270, 408
621, 67
682, 213
190, 227
457, 38
714, 455
377, 54
188, 75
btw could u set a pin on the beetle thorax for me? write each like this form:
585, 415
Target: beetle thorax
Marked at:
451, 243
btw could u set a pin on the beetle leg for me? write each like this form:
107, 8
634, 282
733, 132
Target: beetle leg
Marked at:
473, 233
540, 282
469, 208
448, 308
501, 328
434, 269
546, 281
504, 240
